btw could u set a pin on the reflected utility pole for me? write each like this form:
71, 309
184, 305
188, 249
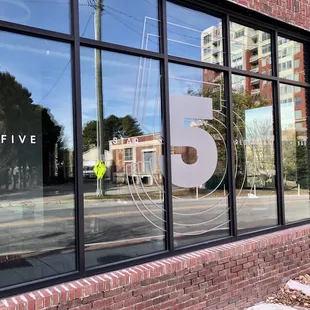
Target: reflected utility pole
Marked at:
98, 7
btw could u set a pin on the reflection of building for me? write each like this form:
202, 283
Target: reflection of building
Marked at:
136, 156
251, 51
212, 45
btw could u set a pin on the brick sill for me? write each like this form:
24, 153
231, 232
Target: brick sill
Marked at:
125, 289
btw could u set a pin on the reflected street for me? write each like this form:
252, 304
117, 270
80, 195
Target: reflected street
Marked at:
111, 223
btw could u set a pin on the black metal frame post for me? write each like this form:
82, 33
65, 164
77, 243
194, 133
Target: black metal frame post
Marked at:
277, 129
78, 138
166, 124
230, 131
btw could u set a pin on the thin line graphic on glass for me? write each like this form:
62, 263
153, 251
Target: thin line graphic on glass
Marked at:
177, 224
143, 78
134, 201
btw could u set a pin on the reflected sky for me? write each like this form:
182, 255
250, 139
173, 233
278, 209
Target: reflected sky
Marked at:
135, 25
43, 67
47, 14
122, 95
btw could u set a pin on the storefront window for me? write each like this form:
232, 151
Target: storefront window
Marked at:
124, 211
194, 35
256, 196
250, 49
51, 15
291, 52
199, 155
37, 222
117, 21
295, 154
100, 144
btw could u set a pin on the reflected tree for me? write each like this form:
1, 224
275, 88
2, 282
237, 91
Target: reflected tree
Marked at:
113, 127
19, 116
242, 101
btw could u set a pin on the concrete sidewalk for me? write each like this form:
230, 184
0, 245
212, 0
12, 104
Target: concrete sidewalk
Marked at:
265, 306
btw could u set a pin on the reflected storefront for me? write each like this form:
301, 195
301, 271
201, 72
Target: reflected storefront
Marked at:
197, 120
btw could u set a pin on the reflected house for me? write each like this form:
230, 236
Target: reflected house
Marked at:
136, 156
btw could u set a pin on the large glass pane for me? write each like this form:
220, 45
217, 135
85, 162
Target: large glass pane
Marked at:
51, 15
199, 154
132, 24
254, 145
37, 225
295, 152
194, 35
291, 56
124, 211
250, 49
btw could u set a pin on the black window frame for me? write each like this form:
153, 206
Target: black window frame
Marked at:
228, 12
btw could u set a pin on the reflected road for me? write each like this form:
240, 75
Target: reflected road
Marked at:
52, 225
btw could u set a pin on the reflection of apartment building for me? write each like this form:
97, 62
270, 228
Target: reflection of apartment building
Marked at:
251, 51
212, 45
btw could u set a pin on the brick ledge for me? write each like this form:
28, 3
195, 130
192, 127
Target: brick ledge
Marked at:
111, 283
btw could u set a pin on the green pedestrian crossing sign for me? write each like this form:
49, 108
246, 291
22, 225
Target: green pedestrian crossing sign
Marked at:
100, 169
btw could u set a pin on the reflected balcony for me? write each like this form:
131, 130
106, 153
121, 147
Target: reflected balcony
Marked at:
255, 69
255, 81
254, 36
216, 40
255, 91
254, 58
215, 52
253, 47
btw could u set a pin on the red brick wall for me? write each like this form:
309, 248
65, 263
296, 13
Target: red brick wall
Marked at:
231, 276
295, 12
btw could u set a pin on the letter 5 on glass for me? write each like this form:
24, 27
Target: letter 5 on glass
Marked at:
182, 107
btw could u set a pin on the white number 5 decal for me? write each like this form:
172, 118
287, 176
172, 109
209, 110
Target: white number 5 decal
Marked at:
191, 175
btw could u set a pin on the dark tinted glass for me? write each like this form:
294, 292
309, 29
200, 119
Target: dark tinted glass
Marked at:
199, 155
250, 49
194, 35
291, 63
132, 23
124, 210
37, 224
256, 193
51, 15
294, 125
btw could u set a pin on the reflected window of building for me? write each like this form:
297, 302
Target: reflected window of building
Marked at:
124, 210
295, 153
265, 36
50, 15
298, 114
115, 21
298, 101
200, 190
128, 154
250, 48
256, 194
37, 160
194, 35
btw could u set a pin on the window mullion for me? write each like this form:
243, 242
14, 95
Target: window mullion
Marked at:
277, 130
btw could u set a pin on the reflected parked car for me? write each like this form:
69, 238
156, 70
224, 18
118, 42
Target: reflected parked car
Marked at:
88, 172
